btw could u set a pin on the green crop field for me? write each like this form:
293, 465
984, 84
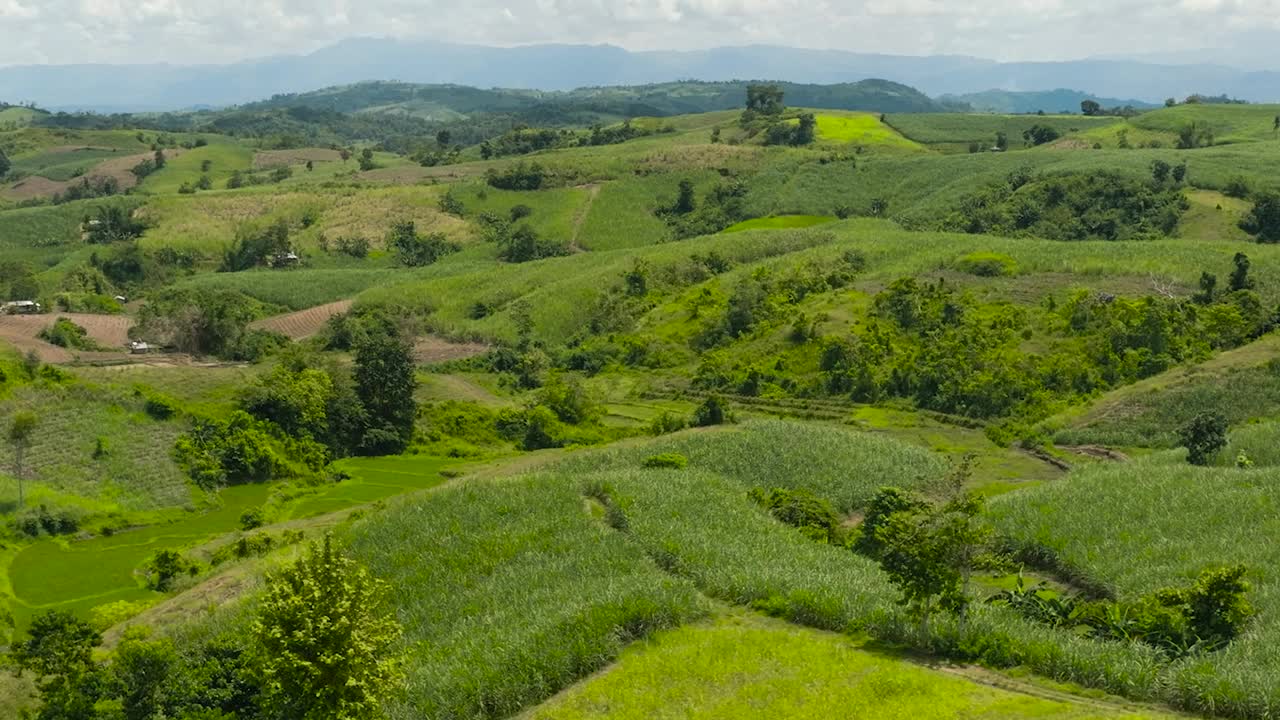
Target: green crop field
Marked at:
541, 416
742, 666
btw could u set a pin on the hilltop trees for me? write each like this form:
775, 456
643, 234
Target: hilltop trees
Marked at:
765, 99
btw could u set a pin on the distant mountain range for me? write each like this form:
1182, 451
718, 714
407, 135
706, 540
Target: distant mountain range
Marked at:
110, 88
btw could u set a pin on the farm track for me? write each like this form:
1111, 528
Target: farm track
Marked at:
580, 218
429, 349
303, 324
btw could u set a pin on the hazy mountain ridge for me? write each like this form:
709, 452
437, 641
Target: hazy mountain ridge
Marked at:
565, 67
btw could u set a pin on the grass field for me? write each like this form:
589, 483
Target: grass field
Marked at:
779, 223
954, 132
372, 479
743, 666
79, 576
862, 129
1144, 526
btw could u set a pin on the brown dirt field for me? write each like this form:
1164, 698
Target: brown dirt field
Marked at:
118, 168
304, 323
431, 349
109, 331
269, 159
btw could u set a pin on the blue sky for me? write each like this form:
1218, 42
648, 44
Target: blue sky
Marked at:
216, 31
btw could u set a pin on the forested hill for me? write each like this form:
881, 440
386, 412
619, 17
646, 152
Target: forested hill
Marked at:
674, 98
397, 116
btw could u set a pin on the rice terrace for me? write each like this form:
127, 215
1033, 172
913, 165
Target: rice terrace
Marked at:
602, 394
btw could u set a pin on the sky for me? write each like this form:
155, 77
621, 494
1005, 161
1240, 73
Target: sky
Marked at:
219, 31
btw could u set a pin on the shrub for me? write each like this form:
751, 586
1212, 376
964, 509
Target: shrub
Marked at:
161, 407
667, 423
987, 264
65, 333
670, 461
802, 509
712, 411
43, 520
252, 518
1204, 437
1237, 187
166, 566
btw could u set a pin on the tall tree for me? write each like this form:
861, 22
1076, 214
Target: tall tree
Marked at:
1264, 220
21, 431
765, 99
385, 382
59, 651
1240, 279
1090, 108
325, 640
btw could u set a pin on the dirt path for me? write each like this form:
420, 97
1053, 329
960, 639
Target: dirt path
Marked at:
580, 219
1000, 681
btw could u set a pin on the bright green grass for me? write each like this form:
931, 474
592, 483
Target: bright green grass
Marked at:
200, 388
296, 289
1241, 384
78, 576
961, 129
742, 666
42, 236
137, 471
1214, 217
1230, 123
16, 117
622, 214
861, 129
846, 466
778, 223
224, 155
65, 164
372, 479
509, 592
1139, 527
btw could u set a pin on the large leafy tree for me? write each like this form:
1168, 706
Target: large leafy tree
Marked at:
325, 641
1264, 220
384, 378
59, 651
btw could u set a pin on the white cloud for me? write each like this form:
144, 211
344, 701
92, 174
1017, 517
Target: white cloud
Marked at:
188, 31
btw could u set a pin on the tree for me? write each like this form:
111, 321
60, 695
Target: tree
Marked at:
1208, 289
21, 431
711, 412
385, 382
142, 676
1160, 171
1040, 134
325, 639
159, 160
1002, 141
1090, 108
310, 165
1203, 437
444, 138
685, 201
1275, 127
1180, 172
765, 99
927, 553
1240, 279
1263, 221
807, 131
5, 164
59, 651
1170, 102
416, 250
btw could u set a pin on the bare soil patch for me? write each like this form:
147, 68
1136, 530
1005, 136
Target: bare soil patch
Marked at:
119, 168
304, 323
431, 349
109, 331
269, 159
